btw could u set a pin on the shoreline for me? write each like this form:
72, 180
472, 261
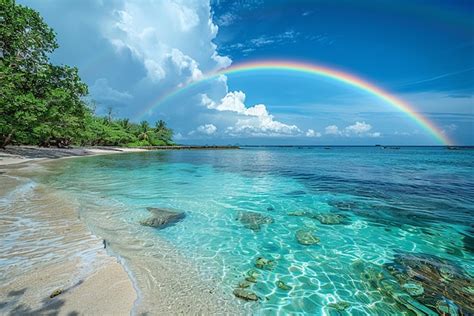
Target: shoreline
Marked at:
61, 255
83, 271
109, 285
13, 155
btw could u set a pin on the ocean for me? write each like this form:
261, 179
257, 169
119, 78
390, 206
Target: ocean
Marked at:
303, 230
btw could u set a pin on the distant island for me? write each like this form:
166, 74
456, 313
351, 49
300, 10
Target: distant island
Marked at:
44, 104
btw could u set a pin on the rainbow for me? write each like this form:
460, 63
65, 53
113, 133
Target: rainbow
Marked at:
309, 68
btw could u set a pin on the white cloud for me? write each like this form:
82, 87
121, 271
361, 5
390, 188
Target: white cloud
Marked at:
254, 121
207, 129
312, 133
332, 130
172, 39
358, 128
361, 129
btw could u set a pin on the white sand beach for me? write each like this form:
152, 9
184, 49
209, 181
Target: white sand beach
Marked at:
47, 249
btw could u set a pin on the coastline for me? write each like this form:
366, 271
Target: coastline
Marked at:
92, 280
13, 155
61, 255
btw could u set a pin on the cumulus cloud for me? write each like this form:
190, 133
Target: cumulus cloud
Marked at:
254, 120
207, 129
358, 128
312, 133
332, 130
173, 40
361, 129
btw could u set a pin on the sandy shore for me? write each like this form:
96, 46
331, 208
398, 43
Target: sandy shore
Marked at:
21, 154
46, 247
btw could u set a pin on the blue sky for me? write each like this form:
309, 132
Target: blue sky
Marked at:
133, 52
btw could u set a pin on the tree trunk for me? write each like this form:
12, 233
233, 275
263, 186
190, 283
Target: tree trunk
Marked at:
7, 140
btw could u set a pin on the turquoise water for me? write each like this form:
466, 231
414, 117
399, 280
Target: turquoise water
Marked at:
404, 221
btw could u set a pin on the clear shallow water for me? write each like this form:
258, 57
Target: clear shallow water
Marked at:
407, 214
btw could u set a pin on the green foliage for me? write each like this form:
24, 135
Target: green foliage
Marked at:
44, 104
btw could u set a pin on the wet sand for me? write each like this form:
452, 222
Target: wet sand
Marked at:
46, 248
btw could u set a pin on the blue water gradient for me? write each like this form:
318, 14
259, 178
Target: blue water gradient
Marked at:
394, 202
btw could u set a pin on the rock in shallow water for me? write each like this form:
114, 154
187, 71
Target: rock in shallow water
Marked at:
323, 218
445, 285
414, 289
299, 213
253, 220
244, 284
162, 217
263, 263
330, 219
306, 237
245, 294
252, 276
282, 285
340, 306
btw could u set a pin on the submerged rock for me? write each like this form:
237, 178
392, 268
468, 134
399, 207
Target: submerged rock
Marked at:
253, 220
282, 285
414, 289
306, 237
265, 264
330, 219
299, 213
374, 277
445, 285
245, 294
244, 284
162, 217
252, 276
447, 308
323, 218
340, 306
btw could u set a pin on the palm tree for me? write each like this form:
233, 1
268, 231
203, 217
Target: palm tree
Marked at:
125, 124
144, 130
160, 125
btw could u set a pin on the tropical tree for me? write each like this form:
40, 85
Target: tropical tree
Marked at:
44, 104
163, 134
39, 103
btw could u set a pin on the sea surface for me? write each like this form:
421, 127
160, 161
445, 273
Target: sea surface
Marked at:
314, 230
